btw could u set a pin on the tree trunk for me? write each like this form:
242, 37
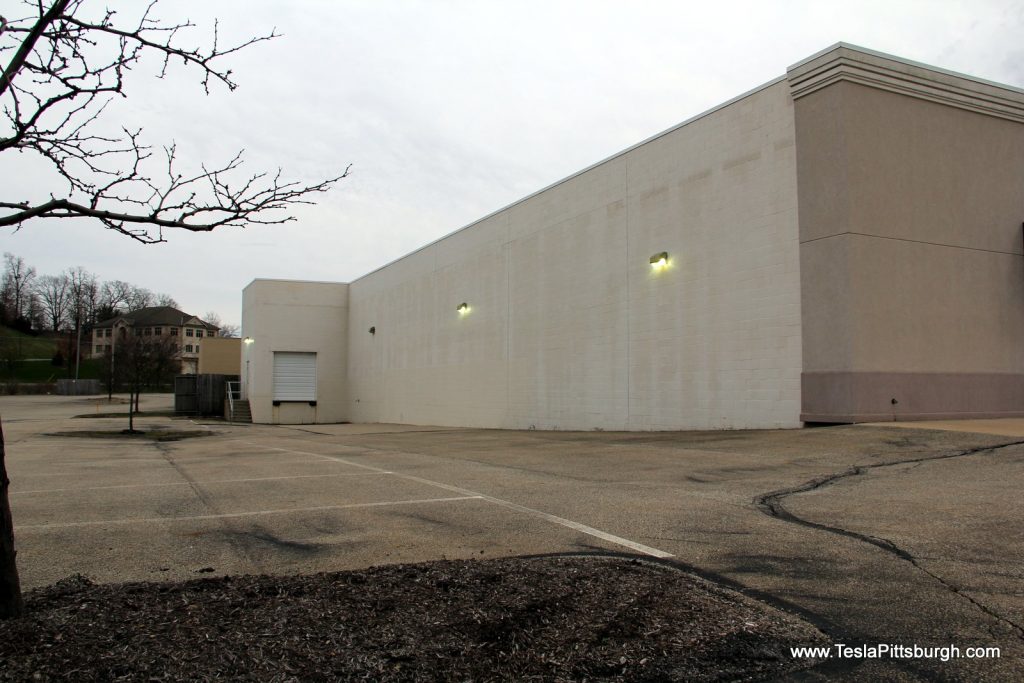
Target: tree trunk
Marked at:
11, 604
131, 411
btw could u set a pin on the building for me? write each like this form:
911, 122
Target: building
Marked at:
220, 356
841, 244
189, 330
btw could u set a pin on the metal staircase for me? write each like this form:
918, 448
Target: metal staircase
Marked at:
238, 408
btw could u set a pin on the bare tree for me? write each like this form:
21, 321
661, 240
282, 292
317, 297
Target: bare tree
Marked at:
33, 312
84, 292
118, 297
62, 67
114, 297
108, 372
65, 66
11, 604
142, 362
166, 300
17, 284
54, 297
140, 297
226, 329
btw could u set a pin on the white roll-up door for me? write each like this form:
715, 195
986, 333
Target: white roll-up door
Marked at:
294, 376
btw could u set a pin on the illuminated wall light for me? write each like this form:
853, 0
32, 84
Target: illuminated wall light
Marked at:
248, 340
659, 260
463, 308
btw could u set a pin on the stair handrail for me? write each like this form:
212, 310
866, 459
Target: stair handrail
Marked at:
232, 388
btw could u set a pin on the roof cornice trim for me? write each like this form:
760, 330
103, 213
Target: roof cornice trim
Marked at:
872, 69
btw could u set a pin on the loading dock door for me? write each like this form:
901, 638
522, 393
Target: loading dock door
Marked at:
294, 376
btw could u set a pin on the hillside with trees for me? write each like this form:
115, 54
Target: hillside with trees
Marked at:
44, 318
67, 301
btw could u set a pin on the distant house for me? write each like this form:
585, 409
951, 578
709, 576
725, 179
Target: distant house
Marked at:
188, 330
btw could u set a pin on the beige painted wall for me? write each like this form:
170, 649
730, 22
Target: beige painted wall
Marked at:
570, 328
220, 356
288, 315
913, 277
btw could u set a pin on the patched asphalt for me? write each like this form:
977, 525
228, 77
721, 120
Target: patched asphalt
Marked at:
877, 534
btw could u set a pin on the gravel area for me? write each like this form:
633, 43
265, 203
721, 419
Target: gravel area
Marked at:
542, 618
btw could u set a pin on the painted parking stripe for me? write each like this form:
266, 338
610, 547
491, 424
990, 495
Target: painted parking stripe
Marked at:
256, 513
555, 519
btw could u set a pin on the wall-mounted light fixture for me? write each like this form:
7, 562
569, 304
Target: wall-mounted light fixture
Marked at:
373, 330
248, 340
463, 308
659, 260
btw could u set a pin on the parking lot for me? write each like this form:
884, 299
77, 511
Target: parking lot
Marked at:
877, 534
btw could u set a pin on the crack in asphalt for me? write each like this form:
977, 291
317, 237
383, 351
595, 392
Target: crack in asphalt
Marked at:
239, 548
771, 505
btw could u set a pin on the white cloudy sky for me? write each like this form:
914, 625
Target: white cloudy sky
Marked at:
450, 109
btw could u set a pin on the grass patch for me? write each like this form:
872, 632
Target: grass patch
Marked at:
27, 345
31, 371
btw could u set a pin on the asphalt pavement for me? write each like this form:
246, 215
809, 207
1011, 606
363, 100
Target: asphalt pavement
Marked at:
881, 535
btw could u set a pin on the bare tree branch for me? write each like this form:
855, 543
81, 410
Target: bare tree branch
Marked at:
231, 207
29, 43
64, 70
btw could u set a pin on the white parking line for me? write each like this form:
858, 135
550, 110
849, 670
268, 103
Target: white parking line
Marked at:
150, 520
568, 523
209, 481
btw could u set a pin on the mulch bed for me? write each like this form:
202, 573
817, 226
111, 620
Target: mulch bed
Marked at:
523, 619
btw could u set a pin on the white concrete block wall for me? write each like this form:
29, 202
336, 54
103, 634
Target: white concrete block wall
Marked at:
288, 315
715, 338
570, 328
426, 362
567, 293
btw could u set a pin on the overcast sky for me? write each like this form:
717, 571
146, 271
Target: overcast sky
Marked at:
449, 110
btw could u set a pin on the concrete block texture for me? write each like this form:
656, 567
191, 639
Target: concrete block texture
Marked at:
570, 327
294, 316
